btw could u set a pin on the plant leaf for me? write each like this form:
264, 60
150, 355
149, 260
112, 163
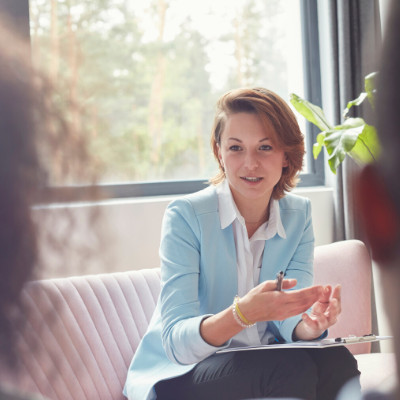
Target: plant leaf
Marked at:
317, 147
339, 142
355, 102
350, 123
367, 147
370, 84
312, 113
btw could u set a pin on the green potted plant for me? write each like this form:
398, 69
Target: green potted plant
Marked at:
354, 137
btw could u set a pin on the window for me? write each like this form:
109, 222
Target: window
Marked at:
146, 76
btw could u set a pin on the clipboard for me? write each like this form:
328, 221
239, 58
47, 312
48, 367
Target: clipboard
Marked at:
317, 344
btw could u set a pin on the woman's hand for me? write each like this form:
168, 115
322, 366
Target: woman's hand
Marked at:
324, 313
264, 303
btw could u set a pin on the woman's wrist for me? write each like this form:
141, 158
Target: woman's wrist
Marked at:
245, 310
219, 328
238, 315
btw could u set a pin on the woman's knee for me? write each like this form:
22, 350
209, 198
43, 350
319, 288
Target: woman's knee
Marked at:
345, 365
336, 366
338, 359
344, 357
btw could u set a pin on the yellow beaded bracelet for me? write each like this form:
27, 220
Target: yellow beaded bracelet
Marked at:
241, 316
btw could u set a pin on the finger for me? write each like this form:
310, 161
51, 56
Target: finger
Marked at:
290, 313
334, 309
332, 316
320, 308
321, 321
289, 283
326, 295
337, 293
298, 309
302, 304
332, 320
287, 312
290, 305
270, 286
294, 296
309, 321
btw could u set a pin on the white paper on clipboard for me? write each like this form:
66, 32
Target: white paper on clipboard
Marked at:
318, 344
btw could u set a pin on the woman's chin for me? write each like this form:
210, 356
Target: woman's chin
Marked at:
251, 190
255, 192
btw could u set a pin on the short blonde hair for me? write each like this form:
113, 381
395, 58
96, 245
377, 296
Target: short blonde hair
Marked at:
274, 113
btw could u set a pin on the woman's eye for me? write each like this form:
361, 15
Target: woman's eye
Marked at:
266, 147
234, 148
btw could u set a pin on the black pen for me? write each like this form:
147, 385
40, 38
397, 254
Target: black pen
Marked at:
279, 281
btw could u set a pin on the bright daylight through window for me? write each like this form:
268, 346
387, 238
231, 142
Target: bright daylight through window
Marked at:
145, 75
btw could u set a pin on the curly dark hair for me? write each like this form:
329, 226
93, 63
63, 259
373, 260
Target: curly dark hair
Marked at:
37, 147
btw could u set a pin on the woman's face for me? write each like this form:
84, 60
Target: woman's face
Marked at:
252, 163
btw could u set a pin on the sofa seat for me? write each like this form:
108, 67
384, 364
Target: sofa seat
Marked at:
378, 370
81, 333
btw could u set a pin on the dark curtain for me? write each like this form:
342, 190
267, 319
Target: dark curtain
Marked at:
355, 45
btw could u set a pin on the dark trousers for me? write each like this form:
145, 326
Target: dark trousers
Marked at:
310, 374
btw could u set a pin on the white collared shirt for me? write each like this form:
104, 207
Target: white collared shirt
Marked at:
249, 255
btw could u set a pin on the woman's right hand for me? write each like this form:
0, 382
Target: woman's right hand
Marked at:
264, 303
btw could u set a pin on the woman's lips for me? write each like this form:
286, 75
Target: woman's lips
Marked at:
252, 183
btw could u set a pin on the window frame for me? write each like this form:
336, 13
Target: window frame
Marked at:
312, 82
312, 88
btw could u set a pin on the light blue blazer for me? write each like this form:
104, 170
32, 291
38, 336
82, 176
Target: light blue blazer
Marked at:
199, 278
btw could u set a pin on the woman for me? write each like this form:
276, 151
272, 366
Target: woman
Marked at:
232, 238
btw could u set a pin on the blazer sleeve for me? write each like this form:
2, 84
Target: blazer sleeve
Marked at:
179, 297
301, 267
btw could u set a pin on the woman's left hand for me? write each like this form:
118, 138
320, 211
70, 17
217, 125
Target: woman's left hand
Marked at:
324, 313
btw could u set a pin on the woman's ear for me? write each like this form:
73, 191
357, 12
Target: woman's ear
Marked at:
378, 215
285, 161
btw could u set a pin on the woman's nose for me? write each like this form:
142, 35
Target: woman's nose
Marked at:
251, 161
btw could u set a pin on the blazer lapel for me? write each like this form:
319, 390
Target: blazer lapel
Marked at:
230, 288
271, 263
220, 267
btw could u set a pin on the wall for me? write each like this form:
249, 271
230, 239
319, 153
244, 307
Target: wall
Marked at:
126, 234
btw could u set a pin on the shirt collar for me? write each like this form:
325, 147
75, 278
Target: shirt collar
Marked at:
228, 212
226, 205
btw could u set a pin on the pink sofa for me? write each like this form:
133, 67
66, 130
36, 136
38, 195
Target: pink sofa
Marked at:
88, 328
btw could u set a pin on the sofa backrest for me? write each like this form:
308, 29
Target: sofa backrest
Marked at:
88, 328
348, 263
